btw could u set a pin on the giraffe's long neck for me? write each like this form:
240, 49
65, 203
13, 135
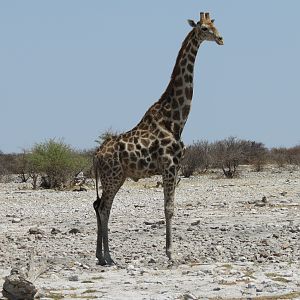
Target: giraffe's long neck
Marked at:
176, 100
172, 109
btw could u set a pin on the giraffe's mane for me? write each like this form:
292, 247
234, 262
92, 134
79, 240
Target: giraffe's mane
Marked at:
175, 69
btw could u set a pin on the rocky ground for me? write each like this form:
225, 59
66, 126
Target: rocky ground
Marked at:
234, 239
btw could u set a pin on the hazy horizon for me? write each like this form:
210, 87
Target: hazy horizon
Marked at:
74, 69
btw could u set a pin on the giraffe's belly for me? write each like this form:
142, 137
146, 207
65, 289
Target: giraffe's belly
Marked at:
141, 169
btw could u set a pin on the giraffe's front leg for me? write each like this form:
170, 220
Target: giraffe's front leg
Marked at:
169, 182
110, 186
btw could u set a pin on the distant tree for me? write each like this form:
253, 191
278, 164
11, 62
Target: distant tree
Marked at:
196, 158
255, 154
22, 166
293, 155
283, 156
7, 164
227, 154
279, 156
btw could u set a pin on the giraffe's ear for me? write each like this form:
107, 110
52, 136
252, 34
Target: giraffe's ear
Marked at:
192, 23
212, 20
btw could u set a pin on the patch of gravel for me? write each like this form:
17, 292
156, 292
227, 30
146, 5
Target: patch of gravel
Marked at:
233, 238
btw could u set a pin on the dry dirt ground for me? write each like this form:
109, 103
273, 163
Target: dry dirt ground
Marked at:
234, 239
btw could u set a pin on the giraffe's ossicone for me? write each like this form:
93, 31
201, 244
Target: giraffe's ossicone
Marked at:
153, 147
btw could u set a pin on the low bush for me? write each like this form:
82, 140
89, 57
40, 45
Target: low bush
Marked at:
56, 162
196, 158
227, 154
255, 154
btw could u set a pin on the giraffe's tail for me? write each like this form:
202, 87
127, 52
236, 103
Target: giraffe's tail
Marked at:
96, 168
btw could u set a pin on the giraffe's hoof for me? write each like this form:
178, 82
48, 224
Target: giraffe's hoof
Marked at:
174, 262
104, 262
110, 262
101, 262
169, 254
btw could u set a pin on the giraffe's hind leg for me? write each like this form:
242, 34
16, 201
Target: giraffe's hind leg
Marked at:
110, 184
99, 252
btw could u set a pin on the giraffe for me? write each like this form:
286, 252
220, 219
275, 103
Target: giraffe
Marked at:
153, 146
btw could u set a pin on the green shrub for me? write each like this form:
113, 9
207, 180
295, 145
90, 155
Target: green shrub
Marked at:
56, 162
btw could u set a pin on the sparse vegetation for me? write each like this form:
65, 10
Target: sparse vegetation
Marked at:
226, 155
53, 164
284, 156
7, 164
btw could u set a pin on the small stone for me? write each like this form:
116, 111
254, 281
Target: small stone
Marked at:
35, 230
148, 222
74, 231
54, 277
224, 229
79, 188
189, 296
73, 278
197, 222
16, 220
294, 229
264, 199
216, 289
86, 267
214, 227
130, 267
10, 216
263, 254
219, 248
16, 286
55, 231
151, 261
285, 245
260, 203
159, 222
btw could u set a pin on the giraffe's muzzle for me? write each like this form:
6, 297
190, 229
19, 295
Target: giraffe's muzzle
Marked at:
219, 40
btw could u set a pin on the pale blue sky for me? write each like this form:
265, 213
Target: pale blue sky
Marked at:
71, 69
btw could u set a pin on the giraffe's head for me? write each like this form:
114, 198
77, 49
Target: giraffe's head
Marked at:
206, 30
